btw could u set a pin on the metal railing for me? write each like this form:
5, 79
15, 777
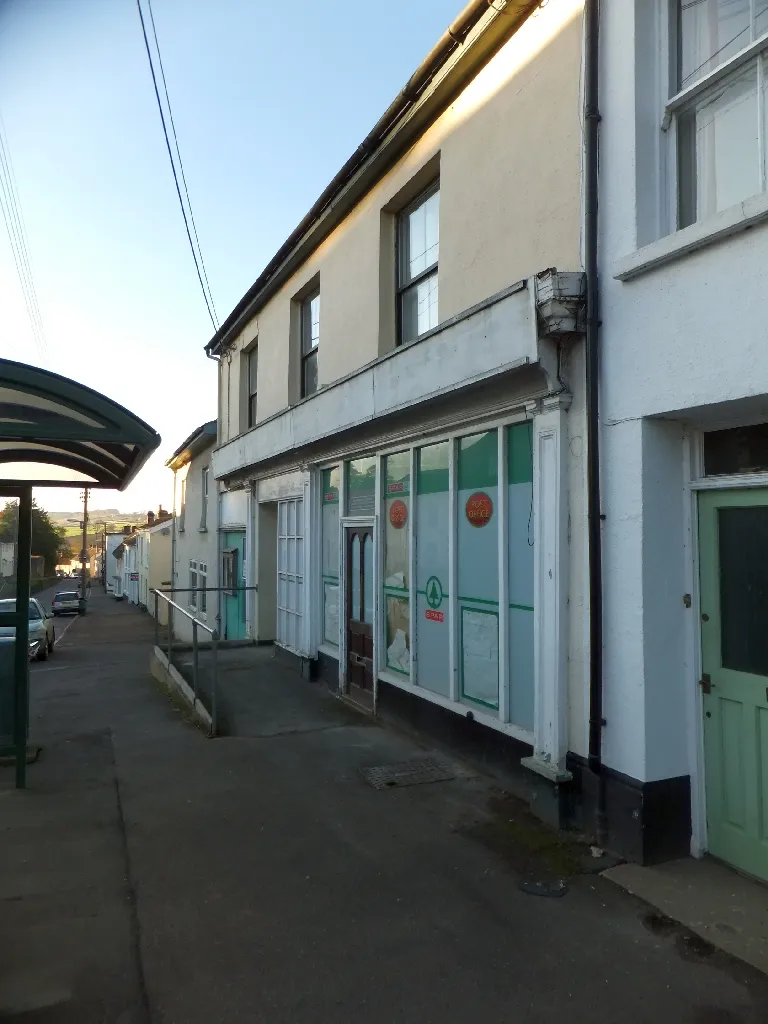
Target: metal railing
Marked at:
196, 624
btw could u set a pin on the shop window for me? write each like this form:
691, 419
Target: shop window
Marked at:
330, 567
478, 568
361, 487
397, 510
432, 556
520, 561
738, 450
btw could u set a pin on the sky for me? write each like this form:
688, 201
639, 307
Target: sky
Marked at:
269, 100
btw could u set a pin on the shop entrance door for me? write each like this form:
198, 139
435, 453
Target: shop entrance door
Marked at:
359, 567
733, 566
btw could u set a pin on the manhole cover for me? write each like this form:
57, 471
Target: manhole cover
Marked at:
408, 773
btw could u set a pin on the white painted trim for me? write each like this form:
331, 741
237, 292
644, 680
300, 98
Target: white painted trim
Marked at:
412, 595
503, 552
692, 642
378, 575
508, 728
453, 574
728, 222
745, 481
715, 77
308, 568
550, 502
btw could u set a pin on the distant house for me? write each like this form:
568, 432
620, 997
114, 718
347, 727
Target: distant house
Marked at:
195, 541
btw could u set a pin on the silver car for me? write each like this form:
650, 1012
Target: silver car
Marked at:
67, 601
42, 635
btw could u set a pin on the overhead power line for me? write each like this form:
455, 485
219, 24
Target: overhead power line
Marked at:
13, 216
197, 254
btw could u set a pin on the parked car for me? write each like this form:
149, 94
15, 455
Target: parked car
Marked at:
42, 635
67, 602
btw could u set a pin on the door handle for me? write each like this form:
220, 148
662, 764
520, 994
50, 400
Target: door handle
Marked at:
706, 683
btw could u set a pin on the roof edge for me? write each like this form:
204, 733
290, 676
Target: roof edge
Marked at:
390, 131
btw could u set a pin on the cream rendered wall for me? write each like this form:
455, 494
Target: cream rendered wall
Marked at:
509, 150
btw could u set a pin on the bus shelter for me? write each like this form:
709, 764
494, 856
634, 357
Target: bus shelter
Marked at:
54, 432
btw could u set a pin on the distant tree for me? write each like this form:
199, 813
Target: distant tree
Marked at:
48, 541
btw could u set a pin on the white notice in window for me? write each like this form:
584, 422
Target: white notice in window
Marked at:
480, 656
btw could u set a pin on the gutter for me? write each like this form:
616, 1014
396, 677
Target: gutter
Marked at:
513, 13
594, 516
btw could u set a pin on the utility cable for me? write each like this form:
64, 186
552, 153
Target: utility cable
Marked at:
181, 163
173, 167
13, 217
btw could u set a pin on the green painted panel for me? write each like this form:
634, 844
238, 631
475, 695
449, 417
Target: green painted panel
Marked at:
331, 483
478, 461
397, 481
733, 549
520, 453
732, 779
432, 471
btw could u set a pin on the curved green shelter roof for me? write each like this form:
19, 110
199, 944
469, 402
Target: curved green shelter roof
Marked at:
51, 421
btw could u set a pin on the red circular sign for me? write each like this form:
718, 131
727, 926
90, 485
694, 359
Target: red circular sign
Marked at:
398, 514
479, 509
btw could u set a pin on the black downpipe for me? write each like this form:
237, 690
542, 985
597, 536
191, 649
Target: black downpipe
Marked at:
591, 153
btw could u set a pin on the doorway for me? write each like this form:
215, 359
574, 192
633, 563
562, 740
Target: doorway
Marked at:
359, 574
733, 571
233, 584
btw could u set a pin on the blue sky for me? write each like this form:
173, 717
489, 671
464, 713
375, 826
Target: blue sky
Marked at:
269, 101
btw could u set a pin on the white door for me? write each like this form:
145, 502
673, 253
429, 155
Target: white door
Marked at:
290, 572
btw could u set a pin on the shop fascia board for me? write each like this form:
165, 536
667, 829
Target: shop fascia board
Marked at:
494, 337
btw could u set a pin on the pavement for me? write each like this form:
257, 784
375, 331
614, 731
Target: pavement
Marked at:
149, 875
733, 916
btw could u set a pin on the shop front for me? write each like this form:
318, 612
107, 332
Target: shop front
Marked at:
427, 571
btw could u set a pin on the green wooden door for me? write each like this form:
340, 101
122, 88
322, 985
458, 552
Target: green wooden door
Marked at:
733, 566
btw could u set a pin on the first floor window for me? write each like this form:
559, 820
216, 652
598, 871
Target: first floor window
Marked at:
718, 104
204, 481
193, 584
310, 341
202, 583
253, 369
418, 246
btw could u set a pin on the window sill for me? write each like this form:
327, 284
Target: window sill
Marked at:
737, 218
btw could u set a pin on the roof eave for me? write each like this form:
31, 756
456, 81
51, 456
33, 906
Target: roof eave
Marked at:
422, 101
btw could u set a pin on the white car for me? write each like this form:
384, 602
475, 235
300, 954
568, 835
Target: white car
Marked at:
42, 635
68, 601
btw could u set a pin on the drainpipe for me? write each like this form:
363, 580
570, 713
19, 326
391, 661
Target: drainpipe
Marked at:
594, 519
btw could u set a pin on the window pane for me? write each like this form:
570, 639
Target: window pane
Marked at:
396, 514
478, 567
309, 371
711, 31
368, 578
361, 487
739, 450
432, 563
743, 548
253, 368
419, 309
725, 126
761, 18
310, 323
520, 563
354, 611
419, 238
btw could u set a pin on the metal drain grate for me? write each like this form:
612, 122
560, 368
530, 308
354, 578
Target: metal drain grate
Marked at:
417, 772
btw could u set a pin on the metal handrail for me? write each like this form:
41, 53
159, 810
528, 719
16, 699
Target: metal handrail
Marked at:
173, 606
